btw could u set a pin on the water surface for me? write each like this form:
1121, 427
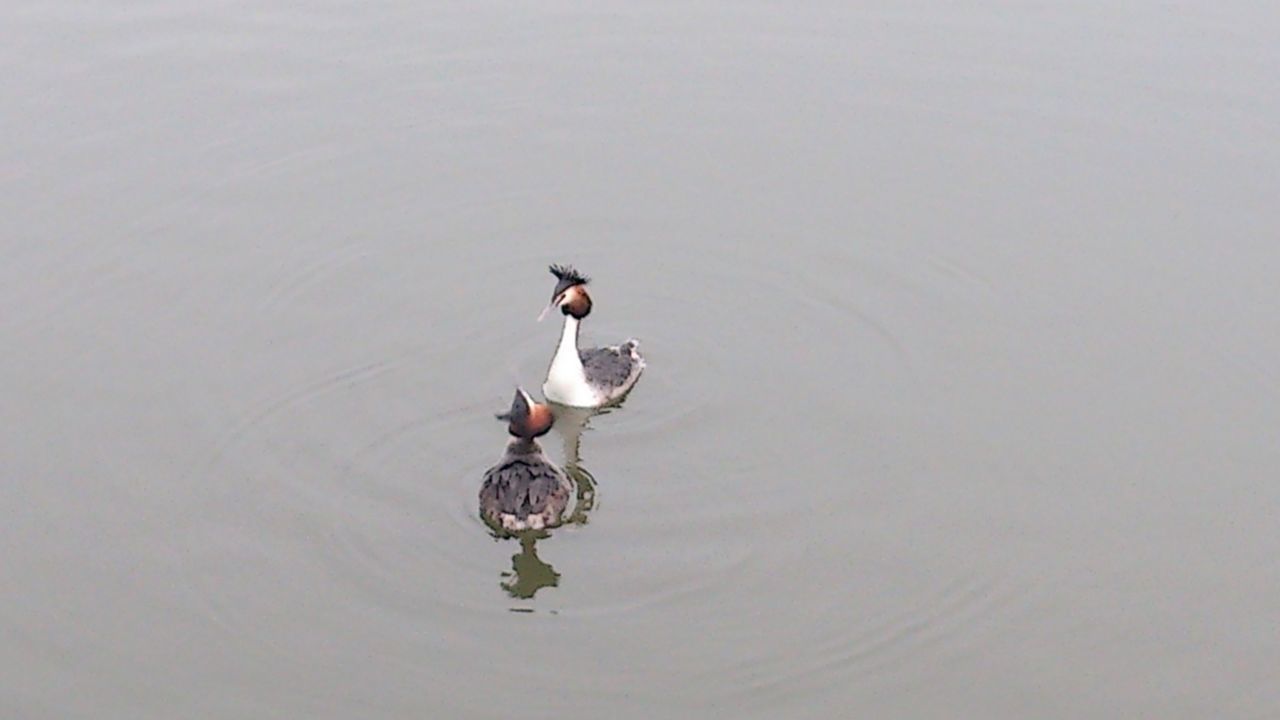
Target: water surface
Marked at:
962, 396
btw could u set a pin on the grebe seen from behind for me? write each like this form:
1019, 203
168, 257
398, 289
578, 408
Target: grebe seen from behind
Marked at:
525, 490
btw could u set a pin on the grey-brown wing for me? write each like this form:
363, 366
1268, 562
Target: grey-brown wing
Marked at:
608, 367
522, 488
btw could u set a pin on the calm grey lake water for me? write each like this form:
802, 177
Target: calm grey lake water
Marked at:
963, 396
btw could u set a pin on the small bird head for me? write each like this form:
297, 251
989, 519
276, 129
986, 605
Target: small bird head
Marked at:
527, 419
570, 294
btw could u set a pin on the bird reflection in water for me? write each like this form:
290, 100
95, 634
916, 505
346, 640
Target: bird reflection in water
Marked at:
571, 422
530, 573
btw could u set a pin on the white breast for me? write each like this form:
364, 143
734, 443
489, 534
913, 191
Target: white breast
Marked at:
566, 379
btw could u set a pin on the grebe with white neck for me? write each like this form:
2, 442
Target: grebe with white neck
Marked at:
525, 490
594, 377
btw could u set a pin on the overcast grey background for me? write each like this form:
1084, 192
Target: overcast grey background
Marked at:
960, 319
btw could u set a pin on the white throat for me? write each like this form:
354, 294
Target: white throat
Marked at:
566, 378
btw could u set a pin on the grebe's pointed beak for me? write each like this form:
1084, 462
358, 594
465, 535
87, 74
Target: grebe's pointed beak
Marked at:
542, 315
520, 405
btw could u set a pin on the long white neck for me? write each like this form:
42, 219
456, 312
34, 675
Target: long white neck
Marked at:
566, 378
566, 361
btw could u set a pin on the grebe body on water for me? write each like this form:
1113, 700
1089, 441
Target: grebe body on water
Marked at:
525, 490
593, 377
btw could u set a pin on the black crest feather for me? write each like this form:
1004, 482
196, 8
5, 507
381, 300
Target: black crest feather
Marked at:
568, 276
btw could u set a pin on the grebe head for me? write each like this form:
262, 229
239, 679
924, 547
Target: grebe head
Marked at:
527, 419
570, 294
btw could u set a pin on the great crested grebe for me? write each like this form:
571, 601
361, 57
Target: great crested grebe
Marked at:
525, 490
585, 378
